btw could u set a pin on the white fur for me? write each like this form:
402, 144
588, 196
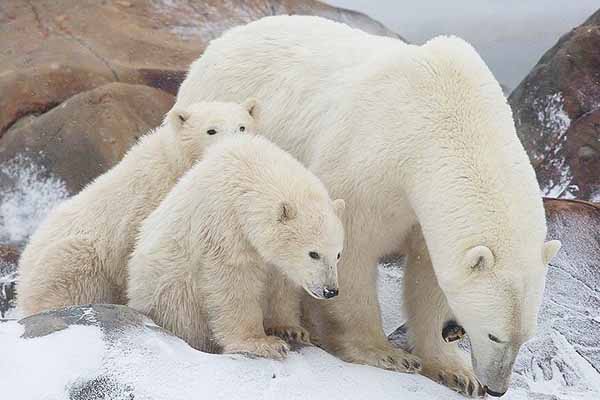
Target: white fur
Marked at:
79, 253
202, 262
415, 139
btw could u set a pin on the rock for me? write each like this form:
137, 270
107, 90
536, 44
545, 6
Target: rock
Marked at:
112, 319
557, 114
9, 257
52, 50
87, 134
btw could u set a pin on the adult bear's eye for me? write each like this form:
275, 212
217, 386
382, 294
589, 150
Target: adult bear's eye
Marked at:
242, 128
314, 255
339, 255
494, 338
211, 131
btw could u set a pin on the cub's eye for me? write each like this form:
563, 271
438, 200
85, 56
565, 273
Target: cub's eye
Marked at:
494, 338
211, 131
242, 128
314, 255
339, 255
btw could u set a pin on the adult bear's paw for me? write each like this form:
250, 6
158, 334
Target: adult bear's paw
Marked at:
461, 381
386, 357
267, 347
291, 334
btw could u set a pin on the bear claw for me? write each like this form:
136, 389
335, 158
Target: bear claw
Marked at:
295, 334
461, 384
267, 347
386, 358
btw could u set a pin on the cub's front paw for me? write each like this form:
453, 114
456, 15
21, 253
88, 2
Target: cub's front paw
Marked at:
387, 357
295, 334
463, 382
267, 347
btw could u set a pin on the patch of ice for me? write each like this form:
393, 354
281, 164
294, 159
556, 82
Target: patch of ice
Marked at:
30, 193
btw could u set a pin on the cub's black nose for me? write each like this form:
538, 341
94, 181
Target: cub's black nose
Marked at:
495, 394
329, 293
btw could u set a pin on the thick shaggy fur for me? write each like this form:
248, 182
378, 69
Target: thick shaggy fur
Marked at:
202, 263
79, 253
419, 141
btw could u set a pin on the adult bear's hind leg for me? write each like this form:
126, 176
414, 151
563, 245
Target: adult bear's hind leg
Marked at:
428, 314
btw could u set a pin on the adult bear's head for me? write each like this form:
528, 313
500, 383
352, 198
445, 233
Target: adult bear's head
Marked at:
496, 302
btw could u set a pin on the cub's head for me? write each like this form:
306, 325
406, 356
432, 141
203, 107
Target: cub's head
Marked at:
497, 303
306, 244
201, 124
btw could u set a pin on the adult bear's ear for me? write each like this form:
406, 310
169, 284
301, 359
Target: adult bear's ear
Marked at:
177, 117
252, 106
286, 212
339, 206
550, 249
479, 258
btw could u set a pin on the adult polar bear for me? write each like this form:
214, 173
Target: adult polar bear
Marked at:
420, 142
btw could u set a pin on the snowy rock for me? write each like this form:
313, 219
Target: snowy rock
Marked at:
112, 352
557, 114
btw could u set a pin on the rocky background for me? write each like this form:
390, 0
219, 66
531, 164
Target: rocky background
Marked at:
81, 80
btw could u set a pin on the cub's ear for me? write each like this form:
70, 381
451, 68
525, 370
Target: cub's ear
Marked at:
339, 206
550, 249
177, 117
479, 258
252, 106
286, 212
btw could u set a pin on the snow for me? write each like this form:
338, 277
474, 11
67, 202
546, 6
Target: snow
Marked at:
41, 368
34, 192
153, 365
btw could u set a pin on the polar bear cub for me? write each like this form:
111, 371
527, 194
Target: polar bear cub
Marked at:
79, 254
203, 259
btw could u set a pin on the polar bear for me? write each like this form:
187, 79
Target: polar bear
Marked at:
420, 142
79, 253
202, 259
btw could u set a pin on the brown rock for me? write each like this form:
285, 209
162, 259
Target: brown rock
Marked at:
9, 256
88, 133
51, 50
557, 114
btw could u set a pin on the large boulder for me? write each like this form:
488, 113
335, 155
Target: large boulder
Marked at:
51, 50
557, 114
87, 134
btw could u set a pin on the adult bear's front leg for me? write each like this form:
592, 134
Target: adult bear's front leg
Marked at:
350, 325
428, 314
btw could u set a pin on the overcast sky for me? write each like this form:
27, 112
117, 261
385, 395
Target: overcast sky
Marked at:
510, 35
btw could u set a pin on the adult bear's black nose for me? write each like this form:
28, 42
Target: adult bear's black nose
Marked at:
495, 394
329, 293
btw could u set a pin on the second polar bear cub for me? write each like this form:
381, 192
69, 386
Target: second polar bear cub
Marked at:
203, 258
